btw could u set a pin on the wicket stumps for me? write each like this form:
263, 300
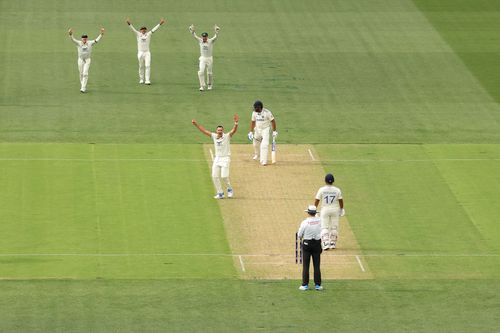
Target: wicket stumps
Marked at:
298, 249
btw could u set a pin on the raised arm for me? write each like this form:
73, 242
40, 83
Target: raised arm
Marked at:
193, 32
100, 35
131, 26
70, 33
201, 128
216, 29
235, 127
158, 25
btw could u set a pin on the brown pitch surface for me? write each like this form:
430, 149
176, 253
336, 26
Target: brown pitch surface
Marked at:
265, 213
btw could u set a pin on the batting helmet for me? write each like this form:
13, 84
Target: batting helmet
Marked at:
329, 178
258, 104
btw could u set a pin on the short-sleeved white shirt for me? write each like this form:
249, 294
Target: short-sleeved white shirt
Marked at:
310, 228
329, 196
221, 145
262, 119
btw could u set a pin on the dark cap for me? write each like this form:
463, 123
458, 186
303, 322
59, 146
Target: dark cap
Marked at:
143, 28
329, 178
85, 36
205, 34
258, 104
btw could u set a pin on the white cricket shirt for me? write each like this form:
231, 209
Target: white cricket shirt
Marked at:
206, 48
310, 228
85, 50
143, 40
262, 119
222, 145
329, 196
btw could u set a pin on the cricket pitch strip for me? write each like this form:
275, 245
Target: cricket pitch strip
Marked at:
265, 213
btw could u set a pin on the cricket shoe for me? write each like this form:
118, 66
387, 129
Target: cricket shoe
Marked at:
318, 287
304, 288
263, 163
230, 193
333, 245
209, 87
141, 81
148, 83
201, 88
83, 90
255, 157
219, 196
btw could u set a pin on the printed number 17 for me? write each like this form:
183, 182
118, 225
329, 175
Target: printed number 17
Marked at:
329, 199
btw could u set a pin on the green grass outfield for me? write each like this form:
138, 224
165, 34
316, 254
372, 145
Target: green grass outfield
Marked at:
106, 216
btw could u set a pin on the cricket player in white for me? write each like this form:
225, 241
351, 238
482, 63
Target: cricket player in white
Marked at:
206, 59
143, 53
222, 160
84, 51
262, 121
332, 208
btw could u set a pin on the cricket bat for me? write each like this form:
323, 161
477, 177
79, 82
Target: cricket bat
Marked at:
273, 151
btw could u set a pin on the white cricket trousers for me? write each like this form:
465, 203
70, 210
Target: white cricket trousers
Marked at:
261, 143
83, 68
144, 58
206, 64
220, 171
330, 217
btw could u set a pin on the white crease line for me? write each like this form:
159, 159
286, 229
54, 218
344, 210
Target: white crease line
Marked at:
236, 160
242, 265
211, 154
311, 154
396, 255
360, 264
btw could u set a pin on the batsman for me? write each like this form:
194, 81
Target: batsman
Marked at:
260, 126
332, 208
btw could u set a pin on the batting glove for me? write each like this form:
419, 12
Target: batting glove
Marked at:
275, 134
191, 28
250, 136
342, 212
217, 29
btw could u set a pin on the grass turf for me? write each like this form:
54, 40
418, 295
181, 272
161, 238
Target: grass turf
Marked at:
332, 71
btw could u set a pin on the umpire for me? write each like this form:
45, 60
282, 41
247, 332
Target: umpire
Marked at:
310, 235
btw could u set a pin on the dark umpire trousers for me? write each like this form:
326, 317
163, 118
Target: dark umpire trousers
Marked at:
311, 248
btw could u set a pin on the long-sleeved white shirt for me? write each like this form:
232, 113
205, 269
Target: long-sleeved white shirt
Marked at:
262, 119
310, 228
143, 40
206, 48
85, 50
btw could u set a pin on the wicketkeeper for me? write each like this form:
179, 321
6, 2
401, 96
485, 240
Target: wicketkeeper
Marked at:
262, 121
206, 59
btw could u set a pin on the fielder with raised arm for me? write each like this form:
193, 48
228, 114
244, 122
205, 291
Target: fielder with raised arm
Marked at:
84, 51
332, 208
262, 121
143, 53
222, 160
206, 59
